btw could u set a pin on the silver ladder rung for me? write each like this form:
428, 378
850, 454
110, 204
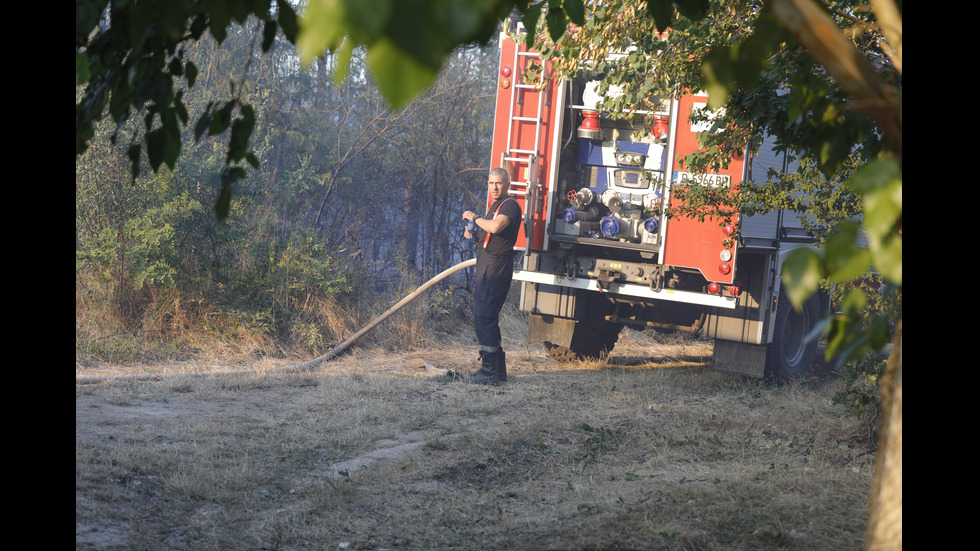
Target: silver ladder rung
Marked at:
516, 159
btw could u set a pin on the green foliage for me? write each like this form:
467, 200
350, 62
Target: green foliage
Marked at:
862, 390
601, 441
342, 181
826, 202
134, 58
843, 260
164, 265
835, 114
406, 41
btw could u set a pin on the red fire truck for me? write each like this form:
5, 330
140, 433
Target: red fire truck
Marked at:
599, 252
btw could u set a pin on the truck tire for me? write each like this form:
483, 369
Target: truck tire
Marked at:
594, 336
790, 355
588, 343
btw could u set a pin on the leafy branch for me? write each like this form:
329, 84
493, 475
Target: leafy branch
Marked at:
131, 57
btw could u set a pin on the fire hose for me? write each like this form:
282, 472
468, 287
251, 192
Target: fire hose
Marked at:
336, 351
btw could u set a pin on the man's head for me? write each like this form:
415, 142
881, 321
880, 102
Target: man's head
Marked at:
498, 183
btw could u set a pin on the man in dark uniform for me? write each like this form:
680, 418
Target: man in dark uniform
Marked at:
494, 271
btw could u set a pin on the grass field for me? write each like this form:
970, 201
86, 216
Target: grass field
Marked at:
648, 449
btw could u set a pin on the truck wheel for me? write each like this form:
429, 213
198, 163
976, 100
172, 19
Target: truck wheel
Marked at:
588, 342
789, 355
594, 337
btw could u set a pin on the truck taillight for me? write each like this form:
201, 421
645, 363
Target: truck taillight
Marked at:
505, 70
728, 229
714, 288
725, 268
734, 290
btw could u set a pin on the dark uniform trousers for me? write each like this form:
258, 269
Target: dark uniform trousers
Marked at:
493, 277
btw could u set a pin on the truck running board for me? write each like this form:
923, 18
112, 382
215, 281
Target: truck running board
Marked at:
629, 289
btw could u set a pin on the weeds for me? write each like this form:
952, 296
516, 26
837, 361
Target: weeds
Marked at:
172, 326
862, 391
601, 441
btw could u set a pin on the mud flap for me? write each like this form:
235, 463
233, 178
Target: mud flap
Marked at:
739, 358
557, 331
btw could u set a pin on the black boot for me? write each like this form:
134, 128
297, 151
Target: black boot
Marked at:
488, 372
502, 366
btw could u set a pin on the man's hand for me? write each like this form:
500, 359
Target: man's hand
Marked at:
468, 216
494, 225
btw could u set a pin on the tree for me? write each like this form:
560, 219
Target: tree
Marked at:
320, 220
132, 58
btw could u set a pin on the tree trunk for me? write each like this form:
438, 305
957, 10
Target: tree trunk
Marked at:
884, 531
411, 220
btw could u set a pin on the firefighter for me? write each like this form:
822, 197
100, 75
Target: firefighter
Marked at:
494, 271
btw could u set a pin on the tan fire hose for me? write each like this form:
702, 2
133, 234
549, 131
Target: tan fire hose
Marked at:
92, 379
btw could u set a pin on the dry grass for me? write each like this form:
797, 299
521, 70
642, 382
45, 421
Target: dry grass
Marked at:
154, 326
648, 450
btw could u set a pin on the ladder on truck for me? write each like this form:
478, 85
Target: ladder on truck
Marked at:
529, 186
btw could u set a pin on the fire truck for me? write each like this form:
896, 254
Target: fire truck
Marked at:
599, 251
